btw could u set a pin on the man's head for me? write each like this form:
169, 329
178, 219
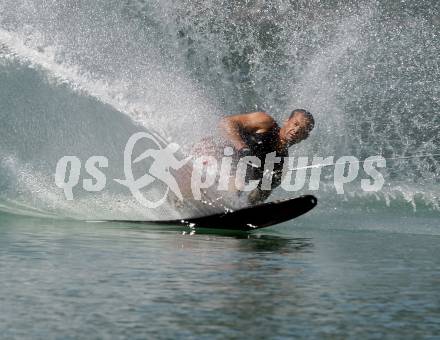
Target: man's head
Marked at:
297, 127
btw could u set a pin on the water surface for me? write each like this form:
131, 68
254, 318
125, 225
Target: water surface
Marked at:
69, 279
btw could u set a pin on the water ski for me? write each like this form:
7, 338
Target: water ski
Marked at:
250, 218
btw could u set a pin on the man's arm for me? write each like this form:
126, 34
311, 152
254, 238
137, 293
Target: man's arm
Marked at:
254, 122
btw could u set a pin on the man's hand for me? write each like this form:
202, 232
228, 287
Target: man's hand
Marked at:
246, 152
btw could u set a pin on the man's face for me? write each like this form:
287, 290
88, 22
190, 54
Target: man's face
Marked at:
296, 129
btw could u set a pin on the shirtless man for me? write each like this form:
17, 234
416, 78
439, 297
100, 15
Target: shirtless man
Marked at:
257, 134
